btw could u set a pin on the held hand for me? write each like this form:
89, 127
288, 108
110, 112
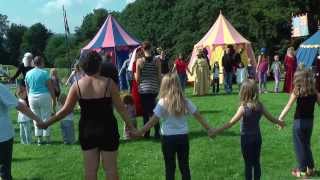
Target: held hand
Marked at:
212, 132
42, 125
281, 124
135, 133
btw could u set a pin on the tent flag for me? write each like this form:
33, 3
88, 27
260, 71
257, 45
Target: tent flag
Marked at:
309, 49
300, 26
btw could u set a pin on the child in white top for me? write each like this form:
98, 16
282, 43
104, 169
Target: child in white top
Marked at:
242, 74
129, 104
173, 108
276, 69
215, 79
24, 121
66, 125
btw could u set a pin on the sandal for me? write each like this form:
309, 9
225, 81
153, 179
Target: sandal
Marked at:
297, 173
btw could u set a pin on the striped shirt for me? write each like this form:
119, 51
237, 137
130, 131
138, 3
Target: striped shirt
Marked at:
149, 80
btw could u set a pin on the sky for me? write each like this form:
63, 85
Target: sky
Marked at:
49, 12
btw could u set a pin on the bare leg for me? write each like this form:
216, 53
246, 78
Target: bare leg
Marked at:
91, 163
109, 160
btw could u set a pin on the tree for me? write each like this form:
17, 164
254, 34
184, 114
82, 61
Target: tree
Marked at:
3, 29
14, 38
55, 49
35, 39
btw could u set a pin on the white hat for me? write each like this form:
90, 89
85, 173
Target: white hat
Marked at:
27, 54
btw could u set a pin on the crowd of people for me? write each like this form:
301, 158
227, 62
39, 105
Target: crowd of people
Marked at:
157, 93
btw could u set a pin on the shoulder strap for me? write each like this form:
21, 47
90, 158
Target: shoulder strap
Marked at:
79, 89
107, 87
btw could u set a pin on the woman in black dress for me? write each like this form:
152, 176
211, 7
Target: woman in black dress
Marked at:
98, 129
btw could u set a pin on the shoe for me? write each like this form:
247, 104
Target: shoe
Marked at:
297, 173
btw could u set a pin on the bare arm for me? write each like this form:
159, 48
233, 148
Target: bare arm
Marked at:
233, 121
153, 121
118, 104
67, 108
286, 109
259, 59
201, 120
16, 74
318, 98
25, 110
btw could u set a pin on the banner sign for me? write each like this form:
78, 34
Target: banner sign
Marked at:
300, 26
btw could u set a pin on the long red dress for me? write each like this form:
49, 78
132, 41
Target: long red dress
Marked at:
318, 74
290, 65
135, 93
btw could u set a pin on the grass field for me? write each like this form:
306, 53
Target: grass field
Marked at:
218, 158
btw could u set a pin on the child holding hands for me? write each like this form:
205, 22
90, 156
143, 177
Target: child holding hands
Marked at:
250, 112
306, 96
172, 108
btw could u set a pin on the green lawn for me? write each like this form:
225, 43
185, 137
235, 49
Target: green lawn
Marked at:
218, 158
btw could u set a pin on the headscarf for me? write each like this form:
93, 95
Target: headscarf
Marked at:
133, 58
27, 59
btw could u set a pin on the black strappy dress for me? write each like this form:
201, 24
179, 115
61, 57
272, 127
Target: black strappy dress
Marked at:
98, 127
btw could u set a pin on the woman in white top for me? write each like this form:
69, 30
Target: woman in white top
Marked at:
172, 109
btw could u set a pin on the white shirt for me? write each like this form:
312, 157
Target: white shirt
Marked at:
172, 125
241, 74
7, 101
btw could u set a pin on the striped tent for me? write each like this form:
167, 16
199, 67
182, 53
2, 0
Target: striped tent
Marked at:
221, 34
309, 50
111, 35
114, 40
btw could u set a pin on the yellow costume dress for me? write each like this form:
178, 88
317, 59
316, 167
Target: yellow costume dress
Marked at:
202, 77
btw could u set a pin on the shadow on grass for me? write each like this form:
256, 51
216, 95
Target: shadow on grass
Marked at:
210, 112
24, 159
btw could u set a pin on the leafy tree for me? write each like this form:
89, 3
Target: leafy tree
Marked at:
35, 39
91, 24
3, 29
14, 38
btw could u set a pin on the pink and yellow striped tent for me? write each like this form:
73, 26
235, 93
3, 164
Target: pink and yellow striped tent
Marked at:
221, 34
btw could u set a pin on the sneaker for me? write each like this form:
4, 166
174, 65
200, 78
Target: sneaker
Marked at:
299, 174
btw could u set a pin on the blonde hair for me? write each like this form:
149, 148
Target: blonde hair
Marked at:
172, 95
304, 83
249, 95
53, 72
290, 51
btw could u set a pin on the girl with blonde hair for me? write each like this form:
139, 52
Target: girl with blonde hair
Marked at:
306, 96
173, 108
250, 113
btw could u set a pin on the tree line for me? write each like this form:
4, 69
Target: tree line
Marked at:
175, 25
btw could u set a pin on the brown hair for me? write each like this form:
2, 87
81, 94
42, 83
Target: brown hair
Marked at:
249, 95
146, 45
304, 83
38, 61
